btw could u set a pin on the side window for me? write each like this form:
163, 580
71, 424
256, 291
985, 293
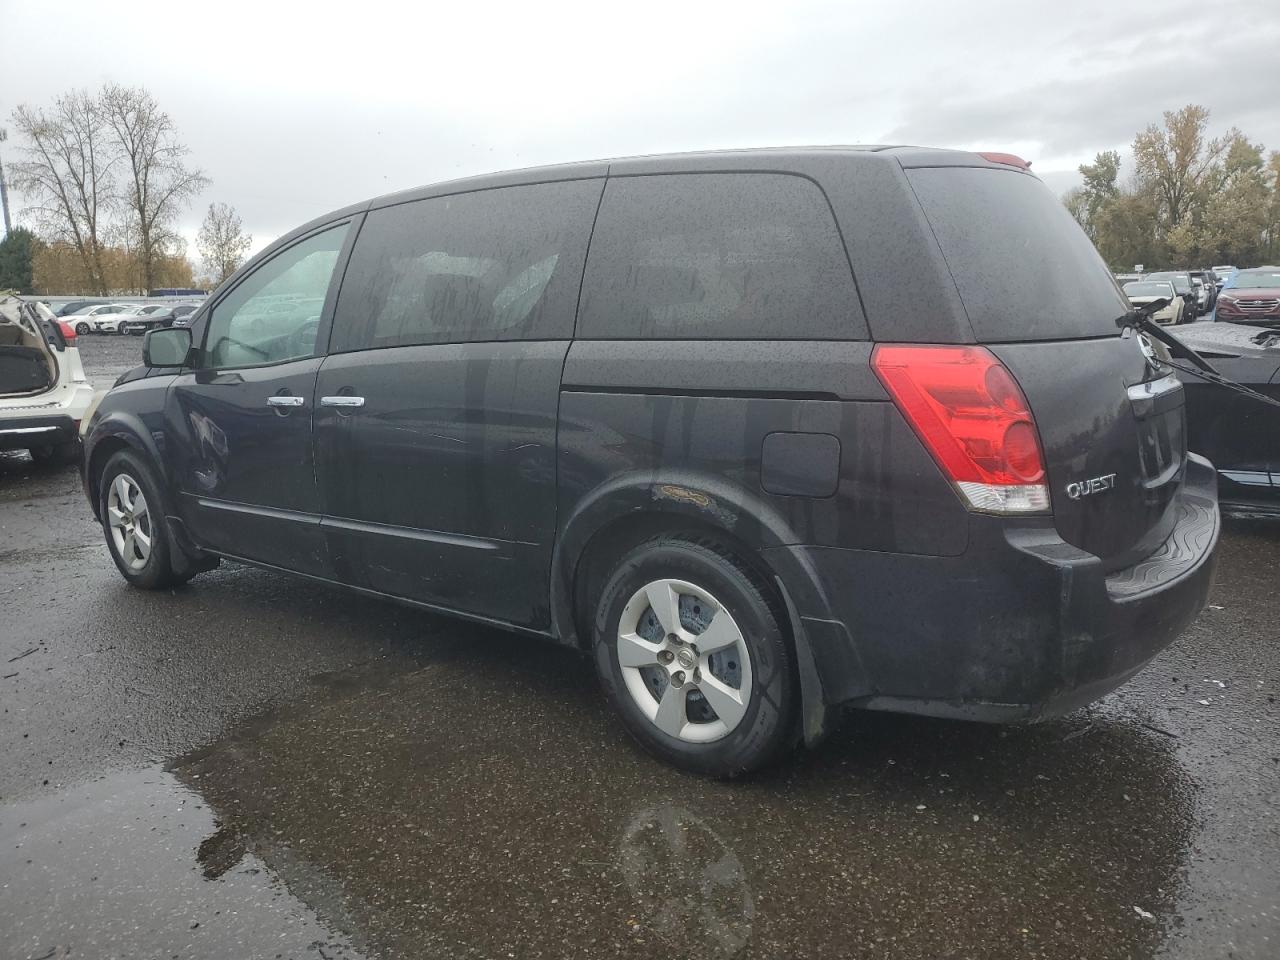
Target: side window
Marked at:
274, 314
744, 256
501, 264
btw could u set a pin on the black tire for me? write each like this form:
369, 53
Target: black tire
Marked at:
81, 328
767, 727
60, 454
160, 571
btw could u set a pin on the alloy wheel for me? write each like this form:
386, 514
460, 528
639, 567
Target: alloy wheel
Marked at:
684, 660
129, 519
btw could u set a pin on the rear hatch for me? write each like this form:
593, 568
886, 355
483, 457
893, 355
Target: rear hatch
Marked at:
27, 364
1111, 421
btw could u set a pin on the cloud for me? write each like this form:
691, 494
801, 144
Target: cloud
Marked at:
294, 111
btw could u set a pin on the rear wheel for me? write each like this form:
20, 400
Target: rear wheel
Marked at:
690, 652
133, 518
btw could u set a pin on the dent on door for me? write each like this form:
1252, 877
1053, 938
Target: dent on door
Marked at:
245, 468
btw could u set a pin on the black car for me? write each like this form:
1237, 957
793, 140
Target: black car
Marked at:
1185, 288
75, 306
766, 432
186, 316
1205, 279
1240, 434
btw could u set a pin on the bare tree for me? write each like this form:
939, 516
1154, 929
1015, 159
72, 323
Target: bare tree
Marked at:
159, 184
67, 170
222, 241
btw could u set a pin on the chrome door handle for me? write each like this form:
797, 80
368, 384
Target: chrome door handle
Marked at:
286, 401
342, 401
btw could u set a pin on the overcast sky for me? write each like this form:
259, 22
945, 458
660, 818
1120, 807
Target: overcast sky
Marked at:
295, 109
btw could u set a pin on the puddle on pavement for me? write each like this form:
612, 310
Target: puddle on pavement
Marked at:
485, 805
107, 870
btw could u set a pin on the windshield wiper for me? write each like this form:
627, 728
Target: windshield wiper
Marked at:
1138, 319
1267, 338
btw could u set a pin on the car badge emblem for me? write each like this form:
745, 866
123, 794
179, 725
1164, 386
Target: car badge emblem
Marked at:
1085, 488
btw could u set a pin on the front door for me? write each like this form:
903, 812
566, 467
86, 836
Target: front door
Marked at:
436, 407
241, 421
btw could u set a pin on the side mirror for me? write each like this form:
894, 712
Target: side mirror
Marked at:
166, 347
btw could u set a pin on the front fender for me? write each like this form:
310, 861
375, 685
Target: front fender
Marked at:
130, 415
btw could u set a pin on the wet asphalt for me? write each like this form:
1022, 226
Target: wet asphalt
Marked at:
256, 766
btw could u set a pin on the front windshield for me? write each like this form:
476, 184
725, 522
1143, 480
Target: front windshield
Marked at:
1257, 278
1159, 288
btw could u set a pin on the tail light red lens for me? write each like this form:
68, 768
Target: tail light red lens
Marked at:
973, 418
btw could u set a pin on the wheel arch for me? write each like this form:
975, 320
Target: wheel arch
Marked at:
115, 432
620, 515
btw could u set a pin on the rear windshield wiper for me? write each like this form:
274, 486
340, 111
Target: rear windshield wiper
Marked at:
1139, 320
1267, 338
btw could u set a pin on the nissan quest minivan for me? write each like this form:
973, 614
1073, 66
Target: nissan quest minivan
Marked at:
766, 433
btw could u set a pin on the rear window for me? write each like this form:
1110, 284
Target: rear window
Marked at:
738, 256
1023, 267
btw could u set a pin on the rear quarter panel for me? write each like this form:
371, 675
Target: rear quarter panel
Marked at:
681, 427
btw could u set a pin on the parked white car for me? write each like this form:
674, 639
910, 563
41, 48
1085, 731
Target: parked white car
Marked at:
110, 322
83, 320
1142, 292
44, 394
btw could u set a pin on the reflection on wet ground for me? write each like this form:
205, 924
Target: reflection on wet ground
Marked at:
446, 791
482, 805
105, 871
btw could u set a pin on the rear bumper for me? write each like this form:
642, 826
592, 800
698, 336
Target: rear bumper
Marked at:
1022, 627
23, 433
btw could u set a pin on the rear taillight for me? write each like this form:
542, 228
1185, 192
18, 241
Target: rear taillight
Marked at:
971, 415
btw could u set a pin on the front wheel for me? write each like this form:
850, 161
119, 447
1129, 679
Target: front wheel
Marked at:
691, 654
133, 518
81, 329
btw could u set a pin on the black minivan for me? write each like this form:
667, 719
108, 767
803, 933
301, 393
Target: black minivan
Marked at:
767, 432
